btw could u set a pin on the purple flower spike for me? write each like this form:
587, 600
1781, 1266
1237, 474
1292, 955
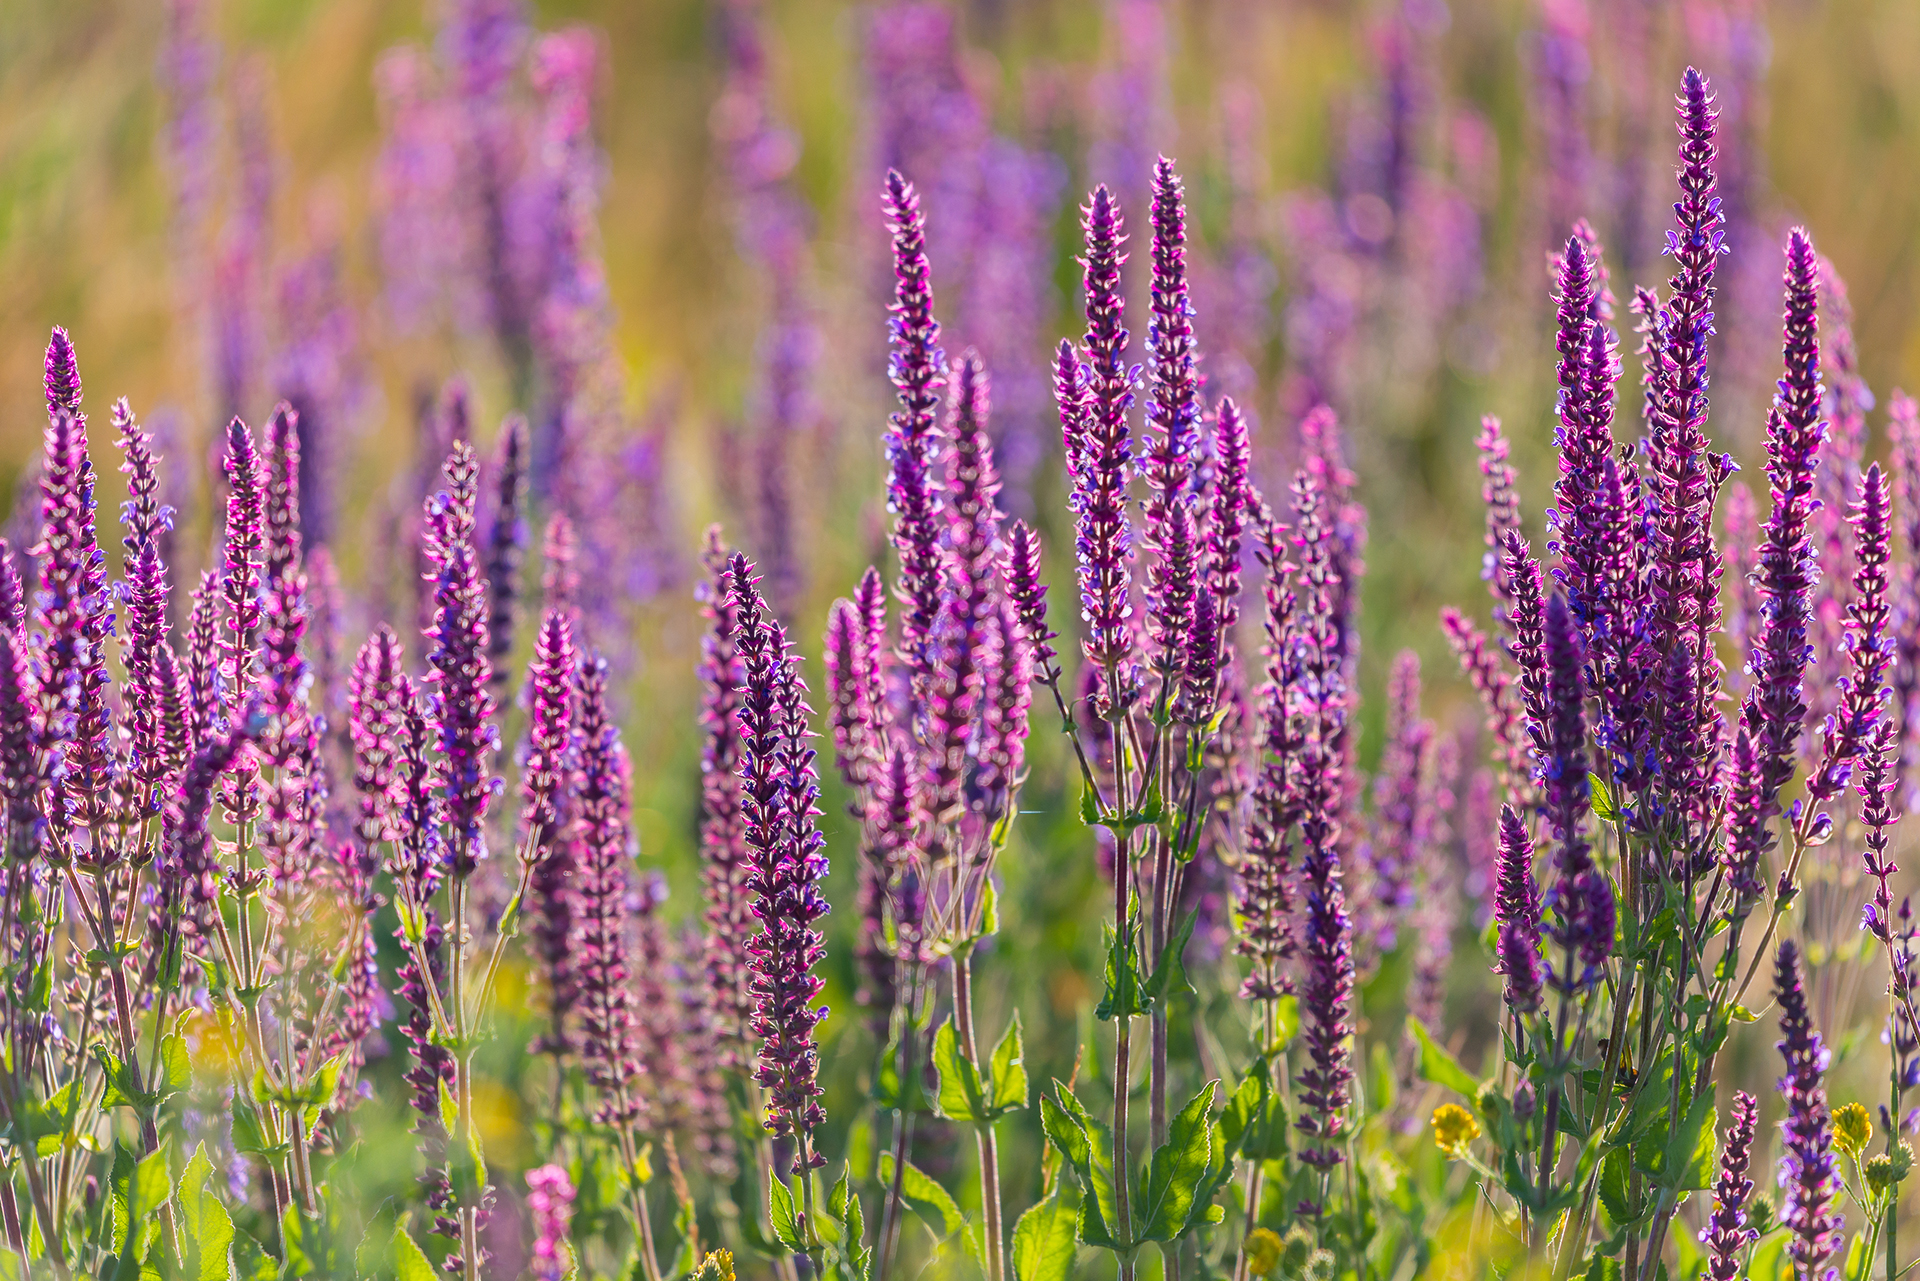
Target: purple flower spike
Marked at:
779, 795
1580, 900
608, 1044
1528, 624
1850, 727
1267, 890
1020, 576
13, 594
1727, 1235
1587, 368
461, 700
62, 375
1071, 395
724, 856
1327, 993
1230, 503
543, 774
1516, 907
550, 1200
918, 370
74, 616
848, 714
1003, 729
1497, 693
1103, 544
973, 488
151, 738
1401, 802
1173, 420
1809, 1174
241, 578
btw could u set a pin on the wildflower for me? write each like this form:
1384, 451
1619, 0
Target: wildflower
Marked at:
918, 370
550, 1201
1807, 1170
1728, 1233
778, 796
1454, 1130
1852, 1128
1102, 542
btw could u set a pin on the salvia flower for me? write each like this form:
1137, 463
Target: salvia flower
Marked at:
918, 370
724, 856
778, 800
1809, 1175
1516, 909
1727, 1235
461, 698
1849, 727
1580, 901
609, 1026
506, 537
1500, 496
1103, 543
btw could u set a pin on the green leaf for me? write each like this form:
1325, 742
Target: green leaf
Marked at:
1693, 1147
960, 1095
784, 1216
140, 1188
1603, 807
1089, 806
1616, 1188
843, 1205
924, 1197
1008, 1071
1178, 1171
1602, 1268
176, 1067
1091, 1155
206, 1228
120, 1090
409, 1260
1169, 973
1439, 1066
252, 1263
318, 1093
1043, 1239
1123, 998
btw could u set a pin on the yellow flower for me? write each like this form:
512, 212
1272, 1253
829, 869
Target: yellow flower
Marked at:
1263, 1251
1852, 1129
1454, 1129
717, 1266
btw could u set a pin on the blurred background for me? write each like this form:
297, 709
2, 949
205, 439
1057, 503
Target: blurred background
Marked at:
653, 227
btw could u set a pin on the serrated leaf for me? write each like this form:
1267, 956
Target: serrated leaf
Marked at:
843, 1206
176, 1067
925, 1197
120, 1091
206, 1228
1091, 1156
1089, 806
1177, 1174
960, 1095
1693, 1146
1124, 997
784, 1216
1616, 1188
1439, 1066
1603, 806
140, 1188
409, 1260
1043, 1239
1008, 1071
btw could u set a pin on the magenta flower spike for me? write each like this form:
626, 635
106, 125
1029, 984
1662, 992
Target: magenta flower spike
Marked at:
779, 795
550, 1201
1020, 578
1809, 1172
462, 701
608, 1024
1103, 543
20, 767
1849, 728
153, 760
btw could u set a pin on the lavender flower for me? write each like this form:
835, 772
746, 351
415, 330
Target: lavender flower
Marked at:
1850, 727
918, 370
608, 1041
1500, 496
1267, 890
1775, 706
1327, 992
152, 758
1173, 421
1727, 1235
1100, 493
1586, 371
1809, 1173
1517, 909
1580, 900
724, 855
20, 765
778, 797
542, 775
462, 703
1020, 575
1006, 696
